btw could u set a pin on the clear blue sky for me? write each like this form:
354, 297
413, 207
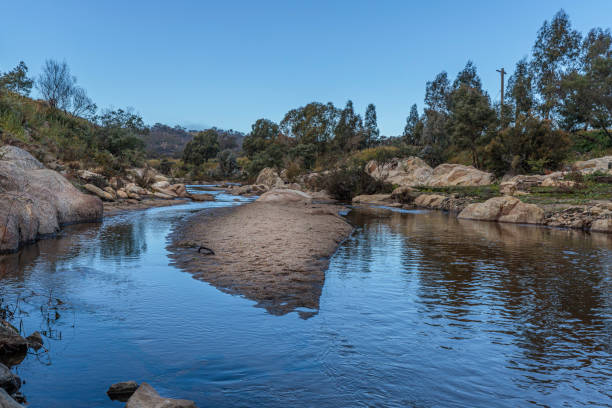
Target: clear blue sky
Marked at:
228, 63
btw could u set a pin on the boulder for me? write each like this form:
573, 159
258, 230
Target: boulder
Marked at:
458, 175
270, 178
111, 191
432, 201
380, 199
36, 201
179, 190
6, 401
122, 194
282, 196
35, 341
122, 391
249, 189
602, 225
162, 185
404, 195
13, 347
603, 164
163, 196
411, 171
9, 382
89, 176
504, 209
146, 397
135, 189
106, 196
202, 197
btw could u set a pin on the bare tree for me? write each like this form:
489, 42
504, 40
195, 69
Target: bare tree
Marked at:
82, 105
56, 84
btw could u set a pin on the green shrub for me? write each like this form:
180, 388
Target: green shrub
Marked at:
347, 182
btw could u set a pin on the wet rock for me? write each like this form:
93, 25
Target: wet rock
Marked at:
270, 178
379, 199
13, 347
99, 192
458, 175
202, 197
280, 196
122, 391
146, 397
36, 201
9, 381
35, 341
7, 402
504, 209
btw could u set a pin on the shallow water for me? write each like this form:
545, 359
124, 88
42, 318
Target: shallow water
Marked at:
418, 309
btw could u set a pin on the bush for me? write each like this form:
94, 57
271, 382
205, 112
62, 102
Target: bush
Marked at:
347, 182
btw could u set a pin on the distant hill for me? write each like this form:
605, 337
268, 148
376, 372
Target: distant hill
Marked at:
165, 141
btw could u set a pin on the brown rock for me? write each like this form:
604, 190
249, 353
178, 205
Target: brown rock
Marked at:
146, 397
270, 178
280, 196
411, 171
36, 201
13, 347
380, 199
458, 175
504, 209
202, 197
99, 192
122, 391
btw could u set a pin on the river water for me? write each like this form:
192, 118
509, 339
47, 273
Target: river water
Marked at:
418, 309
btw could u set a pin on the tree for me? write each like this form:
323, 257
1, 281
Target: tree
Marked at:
372, 134
520, 89
16, 80
414, 127
56, 84
120, 133
437, 93
556, 51
204, 146
311, 124
227, 163
471, 113
436, 116
263, 133
586, 91
348, 132
81, 104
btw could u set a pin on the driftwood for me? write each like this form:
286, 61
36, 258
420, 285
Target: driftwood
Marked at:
208, 250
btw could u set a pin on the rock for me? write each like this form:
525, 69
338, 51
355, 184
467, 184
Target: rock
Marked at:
280, 196
163, 196
13, 347
270, 178
146, 397
202, 197
254, 189
35, 341
134, 196
122, 391
380, 199
603, 164
520, 183
134, 189
122, 194
433, 201
404, 195
411, 171
162, 185
602, 225
7, 402
36, 201
111, 191
458, 175
99, 192
504, 209
179, 189
9, 381
89, 176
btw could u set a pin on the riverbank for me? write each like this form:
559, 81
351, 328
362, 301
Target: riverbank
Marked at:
273, 253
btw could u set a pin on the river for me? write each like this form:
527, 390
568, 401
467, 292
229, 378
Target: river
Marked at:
418, 309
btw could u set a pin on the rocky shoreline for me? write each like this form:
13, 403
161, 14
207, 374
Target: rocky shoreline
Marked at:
274, 251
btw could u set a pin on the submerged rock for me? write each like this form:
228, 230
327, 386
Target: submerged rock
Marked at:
13, 347
122, 391
36, 201
9, 381
35, 341
146, 397
7, 402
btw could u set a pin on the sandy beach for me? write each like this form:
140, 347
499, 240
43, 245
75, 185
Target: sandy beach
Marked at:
273, 253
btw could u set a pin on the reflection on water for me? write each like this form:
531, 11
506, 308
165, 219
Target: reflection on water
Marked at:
418, 309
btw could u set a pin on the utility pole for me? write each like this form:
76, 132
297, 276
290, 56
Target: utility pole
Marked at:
501, 112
